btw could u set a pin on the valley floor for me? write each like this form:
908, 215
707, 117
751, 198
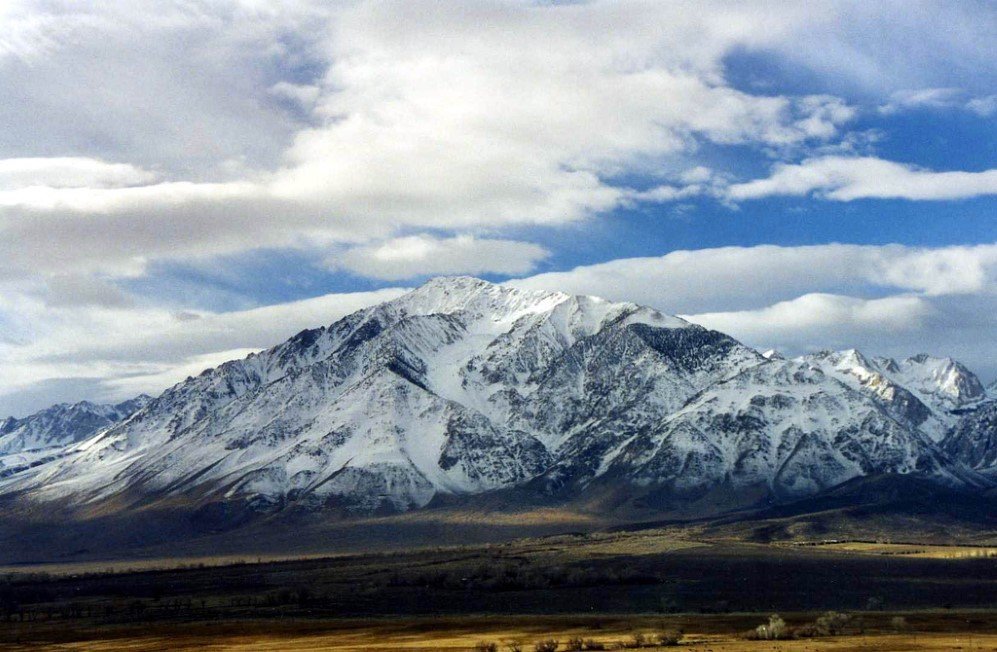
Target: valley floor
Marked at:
604, 586
971, 630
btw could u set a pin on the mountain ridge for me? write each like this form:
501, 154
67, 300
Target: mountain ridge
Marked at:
462, 387
32, 439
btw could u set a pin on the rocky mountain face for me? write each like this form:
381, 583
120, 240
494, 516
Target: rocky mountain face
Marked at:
48, 432
463, 387
922, 390
973, 438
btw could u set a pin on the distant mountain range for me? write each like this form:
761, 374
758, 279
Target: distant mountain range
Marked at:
462, 387
47, 434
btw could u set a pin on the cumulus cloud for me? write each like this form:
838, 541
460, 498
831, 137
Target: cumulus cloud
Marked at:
405, 116
301, 123
423, 255
842, 178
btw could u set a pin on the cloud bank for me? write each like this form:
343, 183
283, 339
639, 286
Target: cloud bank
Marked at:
304, 124
389, 141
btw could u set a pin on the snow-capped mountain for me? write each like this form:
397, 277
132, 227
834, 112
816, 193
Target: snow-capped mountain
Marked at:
973, 438
923, 391
462, 387
786, 424
44, 433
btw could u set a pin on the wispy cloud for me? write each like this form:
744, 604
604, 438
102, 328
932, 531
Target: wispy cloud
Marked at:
923, 98
841, 178
938, 98
985, 106
423, 255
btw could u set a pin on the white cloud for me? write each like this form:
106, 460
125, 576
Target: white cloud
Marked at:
813, 316
68, 172
312, 125
120, 200
930, 98
71, 290
422, 255
881, 47
749, 277
174, 86
116, 351
891, 300
959, 326
939, 98
842, 178
984, 106
405, 117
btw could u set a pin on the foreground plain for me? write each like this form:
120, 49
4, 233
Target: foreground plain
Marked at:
971, 630
604, 586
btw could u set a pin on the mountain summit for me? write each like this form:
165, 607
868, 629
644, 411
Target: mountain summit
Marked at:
462, 387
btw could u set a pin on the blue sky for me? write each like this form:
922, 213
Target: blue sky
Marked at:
181, 183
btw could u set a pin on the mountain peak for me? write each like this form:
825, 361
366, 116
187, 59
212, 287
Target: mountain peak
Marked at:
452, 294
462, 386
942, 376
459, 282
62, 424
844, 360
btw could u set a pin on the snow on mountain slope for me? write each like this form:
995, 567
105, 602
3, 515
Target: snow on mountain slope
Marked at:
973, 439
620, 384
43, 434
462, 386
785, 424
387, 407
923, 391
939, 381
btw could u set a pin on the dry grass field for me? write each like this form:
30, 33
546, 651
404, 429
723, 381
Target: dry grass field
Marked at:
912, 550
926, 631
605, 587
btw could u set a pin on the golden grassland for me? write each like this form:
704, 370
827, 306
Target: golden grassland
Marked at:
561, 547
624, 583
927, 631
912, 550
558, 547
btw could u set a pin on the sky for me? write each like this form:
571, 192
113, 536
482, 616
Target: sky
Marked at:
185, 182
